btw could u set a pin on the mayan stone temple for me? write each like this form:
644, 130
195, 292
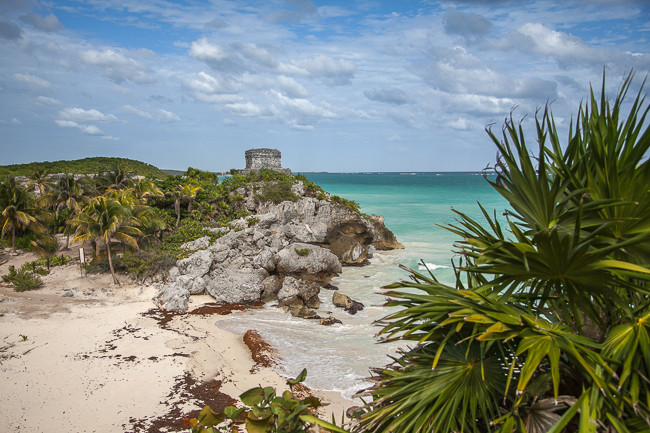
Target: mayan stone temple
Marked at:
264, 158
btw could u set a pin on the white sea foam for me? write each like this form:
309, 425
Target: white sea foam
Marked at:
431, 267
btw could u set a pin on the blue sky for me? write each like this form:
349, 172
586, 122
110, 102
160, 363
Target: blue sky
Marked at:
339, 86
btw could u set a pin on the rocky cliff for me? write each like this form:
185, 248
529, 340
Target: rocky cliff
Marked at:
283, 251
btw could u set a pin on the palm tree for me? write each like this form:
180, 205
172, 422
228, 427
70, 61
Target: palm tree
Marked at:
19, 210
68, 193
40, 179
549, 316
184, 192
104, 218
117, 177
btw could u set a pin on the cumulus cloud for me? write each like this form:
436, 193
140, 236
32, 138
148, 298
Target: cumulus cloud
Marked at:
135, 112
389, 96
9, 30
44, 100
454, 70
118, 67
304, 107
291, 87
32, 81
466, 25
215, 56
568, 50
48, 23
86, 129
165, 116
459, 124
160, 99
332, 73
216, 23
86, 116
247, 109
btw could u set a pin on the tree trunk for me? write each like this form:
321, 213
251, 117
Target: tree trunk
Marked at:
177, 208
13, 239
67, 241
110, 261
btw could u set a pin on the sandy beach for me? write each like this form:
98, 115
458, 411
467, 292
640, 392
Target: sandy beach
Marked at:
105, 360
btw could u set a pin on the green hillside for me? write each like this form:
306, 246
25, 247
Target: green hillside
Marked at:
84, 166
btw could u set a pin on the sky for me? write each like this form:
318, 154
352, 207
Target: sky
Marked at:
338, 86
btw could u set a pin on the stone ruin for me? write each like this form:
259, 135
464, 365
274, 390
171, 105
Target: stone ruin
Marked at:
263, 158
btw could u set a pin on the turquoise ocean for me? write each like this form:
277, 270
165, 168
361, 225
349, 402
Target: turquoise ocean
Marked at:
338, 357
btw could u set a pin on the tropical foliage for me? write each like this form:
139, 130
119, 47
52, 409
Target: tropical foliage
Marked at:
83, 166
547, 328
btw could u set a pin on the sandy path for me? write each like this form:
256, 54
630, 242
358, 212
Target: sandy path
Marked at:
94, 363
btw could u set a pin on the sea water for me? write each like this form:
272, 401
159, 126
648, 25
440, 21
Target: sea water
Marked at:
338, 357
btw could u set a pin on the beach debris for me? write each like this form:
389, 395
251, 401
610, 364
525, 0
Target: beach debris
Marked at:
68, 294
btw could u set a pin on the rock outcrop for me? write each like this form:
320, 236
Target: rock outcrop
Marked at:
289, 252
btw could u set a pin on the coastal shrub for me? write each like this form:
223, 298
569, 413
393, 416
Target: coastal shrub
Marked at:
189, 230
547, 326
252, 221
22, 280
146, 263
350, 204
277, 192
303, 252
266, 412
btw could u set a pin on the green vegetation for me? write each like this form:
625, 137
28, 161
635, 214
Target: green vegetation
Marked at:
22, 280
547, 328
92, 165
350, 204
266, 412
303, 252
277, 192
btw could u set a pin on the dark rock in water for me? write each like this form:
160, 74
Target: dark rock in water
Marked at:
313, 302
330, 287
329, 321
303, 312
360, 264
345, 302
356, 306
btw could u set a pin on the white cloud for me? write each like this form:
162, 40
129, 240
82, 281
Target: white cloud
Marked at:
389, 96
459, 124
165, 116
44, 100
291, 87
91, 130
394, 138
86, 129
32, 81
136, 112
229, 122
214, 55
87, 116
118, 67
332, 73
246, 109
67, 124
15, 121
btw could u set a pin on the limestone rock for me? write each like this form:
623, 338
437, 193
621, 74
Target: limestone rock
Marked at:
266, 259
197, 244
172, 297
319, 264
313, 302
348, 250
272, 286
196, 265
232, 286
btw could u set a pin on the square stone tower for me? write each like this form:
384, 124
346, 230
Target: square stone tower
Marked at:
264, 158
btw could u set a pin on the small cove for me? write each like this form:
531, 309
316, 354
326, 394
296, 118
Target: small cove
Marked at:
338, 357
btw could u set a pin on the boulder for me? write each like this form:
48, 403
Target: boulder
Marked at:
303, 312
172, 297
196, 285
232, 286
313, 263
266, 259
313, 302
345, 302
329, 321
196, 265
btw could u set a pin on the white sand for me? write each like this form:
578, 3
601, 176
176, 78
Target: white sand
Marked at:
92, 363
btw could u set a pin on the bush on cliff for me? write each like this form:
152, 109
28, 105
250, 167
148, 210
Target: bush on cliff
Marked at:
547, 328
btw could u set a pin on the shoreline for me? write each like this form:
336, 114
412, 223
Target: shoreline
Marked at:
103, 360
